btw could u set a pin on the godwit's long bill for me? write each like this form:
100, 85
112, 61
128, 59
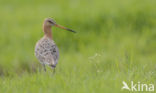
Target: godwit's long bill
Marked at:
62, 27
46, 50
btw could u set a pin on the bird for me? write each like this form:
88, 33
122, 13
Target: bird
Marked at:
46, 51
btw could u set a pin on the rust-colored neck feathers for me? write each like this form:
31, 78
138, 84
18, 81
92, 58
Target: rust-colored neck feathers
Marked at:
47, 31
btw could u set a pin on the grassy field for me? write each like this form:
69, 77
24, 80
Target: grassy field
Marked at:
116, 41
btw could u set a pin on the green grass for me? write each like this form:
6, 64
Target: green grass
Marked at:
115, 42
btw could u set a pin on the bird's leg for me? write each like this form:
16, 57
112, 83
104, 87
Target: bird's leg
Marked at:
44, 67
53, 68
54, 71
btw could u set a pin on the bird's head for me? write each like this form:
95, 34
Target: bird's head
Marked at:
49, 22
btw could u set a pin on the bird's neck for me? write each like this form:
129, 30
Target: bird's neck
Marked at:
47, 32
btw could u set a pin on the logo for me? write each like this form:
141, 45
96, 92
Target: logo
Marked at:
137, 86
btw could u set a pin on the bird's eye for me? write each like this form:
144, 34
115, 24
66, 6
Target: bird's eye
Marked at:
50, 21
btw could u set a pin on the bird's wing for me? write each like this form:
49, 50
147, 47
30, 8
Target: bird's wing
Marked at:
55, 53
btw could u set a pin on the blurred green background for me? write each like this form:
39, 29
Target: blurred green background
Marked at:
115, 42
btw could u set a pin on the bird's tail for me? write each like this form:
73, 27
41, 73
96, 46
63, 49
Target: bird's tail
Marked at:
52, 66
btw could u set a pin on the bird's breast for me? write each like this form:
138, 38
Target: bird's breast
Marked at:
46, 49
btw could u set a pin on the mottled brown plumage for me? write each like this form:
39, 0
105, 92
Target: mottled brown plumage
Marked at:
46, 50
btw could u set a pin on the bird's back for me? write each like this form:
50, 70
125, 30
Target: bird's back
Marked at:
47, 52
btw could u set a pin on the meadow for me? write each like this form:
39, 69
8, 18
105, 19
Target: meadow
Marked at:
115, 42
